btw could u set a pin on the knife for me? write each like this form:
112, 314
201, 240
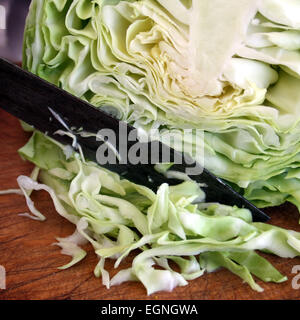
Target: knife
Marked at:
50, 109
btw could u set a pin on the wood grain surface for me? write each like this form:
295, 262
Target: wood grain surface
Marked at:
31, 261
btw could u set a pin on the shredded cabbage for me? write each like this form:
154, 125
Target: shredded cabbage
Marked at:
117, 217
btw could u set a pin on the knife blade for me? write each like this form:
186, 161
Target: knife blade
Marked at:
49, 109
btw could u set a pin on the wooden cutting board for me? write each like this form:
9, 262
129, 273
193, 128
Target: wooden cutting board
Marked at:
31, 261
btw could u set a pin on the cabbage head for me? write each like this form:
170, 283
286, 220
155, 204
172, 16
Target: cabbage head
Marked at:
228, 68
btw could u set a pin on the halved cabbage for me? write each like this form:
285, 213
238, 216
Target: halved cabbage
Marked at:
230, 69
